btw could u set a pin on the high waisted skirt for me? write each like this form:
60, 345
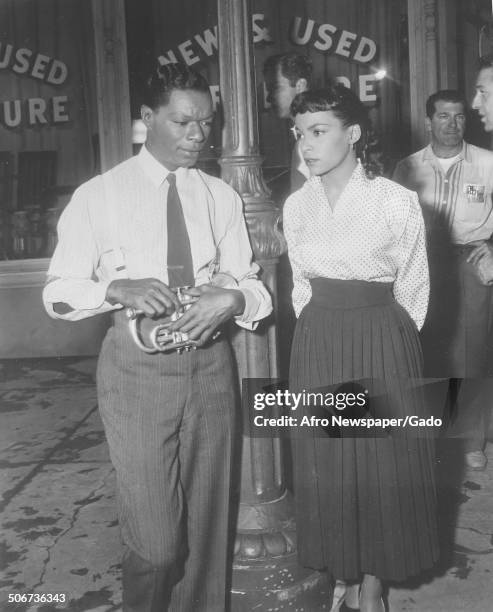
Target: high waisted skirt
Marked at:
366, 504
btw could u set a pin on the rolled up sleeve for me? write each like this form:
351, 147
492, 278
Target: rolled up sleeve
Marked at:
72, 278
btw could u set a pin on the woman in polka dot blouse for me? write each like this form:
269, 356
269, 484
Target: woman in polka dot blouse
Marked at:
366, 504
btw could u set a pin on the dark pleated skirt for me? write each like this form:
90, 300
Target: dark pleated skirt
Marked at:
364, 504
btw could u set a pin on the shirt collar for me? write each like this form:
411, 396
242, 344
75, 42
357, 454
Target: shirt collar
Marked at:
464, 153
357, 177
359, 172
155, 171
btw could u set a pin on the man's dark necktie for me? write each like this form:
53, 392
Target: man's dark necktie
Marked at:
180, 264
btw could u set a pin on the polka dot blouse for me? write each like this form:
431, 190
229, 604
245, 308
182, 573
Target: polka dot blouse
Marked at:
374, 233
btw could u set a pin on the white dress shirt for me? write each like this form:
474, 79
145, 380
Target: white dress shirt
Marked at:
374, 233
115, 227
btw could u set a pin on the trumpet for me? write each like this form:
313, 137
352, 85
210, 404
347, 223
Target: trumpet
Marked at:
160, 338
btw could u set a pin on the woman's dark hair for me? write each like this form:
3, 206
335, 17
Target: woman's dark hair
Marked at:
349, 109
162, 80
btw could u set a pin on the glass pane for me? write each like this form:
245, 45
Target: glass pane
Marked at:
48, 119
175, 30
359, 42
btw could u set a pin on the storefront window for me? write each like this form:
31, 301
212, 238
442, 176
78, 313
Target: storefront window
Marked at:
48, 122
358, 43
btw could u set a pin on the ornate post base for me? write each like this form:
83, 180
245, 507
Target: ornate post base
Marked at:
266, 573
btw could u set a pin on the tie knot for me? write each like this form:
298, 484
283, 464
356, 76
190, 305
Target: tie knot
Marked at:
171, 178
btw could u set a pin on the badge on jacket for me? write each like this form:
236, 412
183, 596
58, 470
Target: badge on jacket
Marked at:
474, 193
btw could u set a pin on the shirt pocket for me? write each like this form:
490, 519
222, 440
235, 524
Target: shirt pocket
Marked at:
474, 204
112, 264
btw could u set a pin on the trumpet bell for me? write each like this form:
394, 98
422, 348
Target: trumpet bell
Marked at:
159, 338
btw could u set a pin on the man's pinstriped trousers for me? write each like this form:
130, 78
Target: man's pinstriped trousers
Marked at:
169, 422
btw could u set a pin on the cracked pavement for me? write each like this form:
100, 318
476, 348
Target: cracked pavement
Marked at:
59, 531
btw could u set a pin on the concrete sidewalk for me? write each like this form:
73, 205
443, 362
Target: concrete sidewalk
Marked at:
59, 533
59, 530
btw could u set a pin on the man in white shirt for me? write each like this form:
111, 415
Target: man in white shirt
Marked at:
454, 182
125, 240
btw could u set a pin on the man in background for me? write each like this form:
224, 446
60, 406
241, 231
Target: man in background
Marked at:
454, 182
285, 76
